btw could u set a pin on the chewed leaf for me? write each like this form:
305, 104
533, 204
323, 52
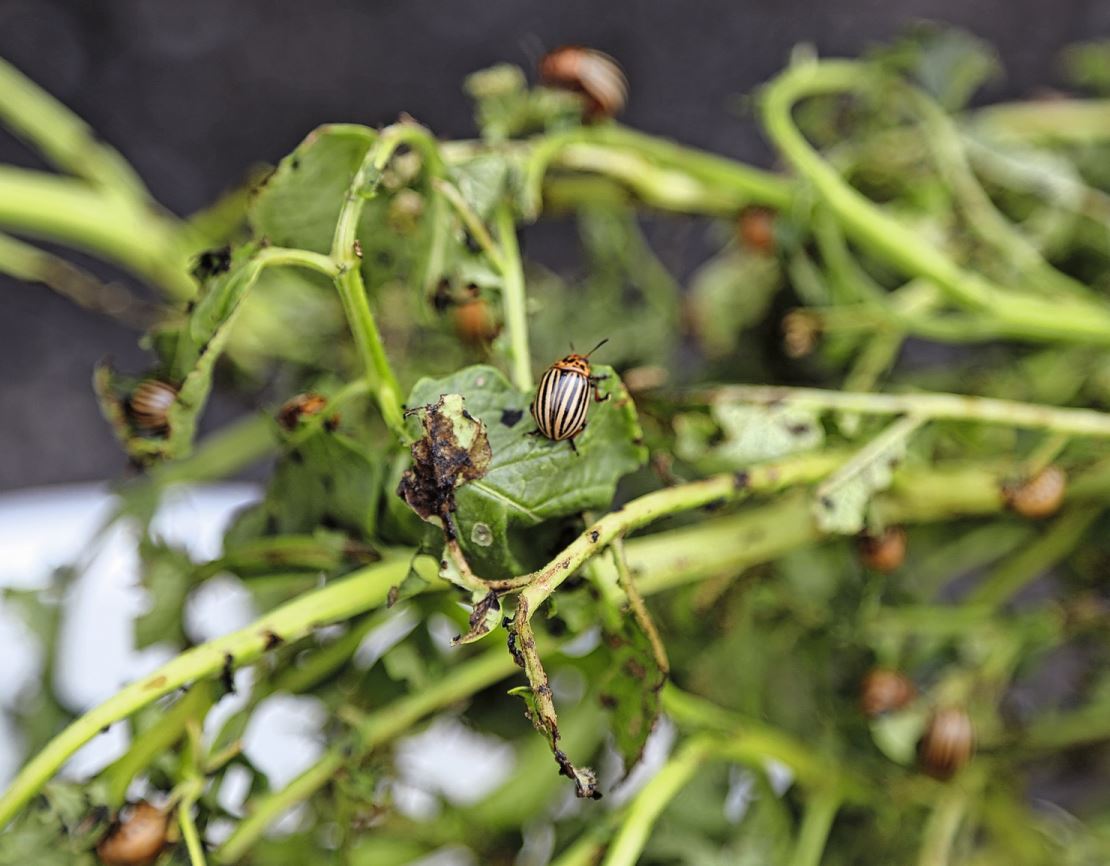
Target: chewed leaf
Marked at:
529, 479
840, 505
453, 450
189, 355
754, 433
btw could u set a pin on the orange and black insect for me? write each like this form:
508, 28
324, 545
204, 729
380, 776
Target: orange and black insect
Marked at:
594, 74
563, 397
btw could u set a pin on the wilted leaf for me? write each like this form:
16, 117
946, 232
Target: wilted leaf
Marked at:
530, 479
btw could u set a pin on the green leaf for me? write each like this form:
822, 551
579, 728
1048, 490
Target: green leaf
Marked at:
482, 181
728, 294
949, 63
504, 106
631, 689
632, 298
189, 358
58, 829
167, 575
326, 480
298, 205
531, 480
747, 433
1087, 65
840, 504
896, 734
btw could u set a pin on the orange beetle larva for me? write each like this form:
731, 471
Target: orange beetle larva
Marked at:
149, 404
295, 408
947, 744
884, 690
474, 322
136, 838
756, 229
1039, 496
884, 552
594, 74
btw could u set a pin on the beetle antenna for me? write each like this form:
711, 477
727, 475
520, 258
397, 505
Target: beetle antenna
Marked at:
571, 344
598, 346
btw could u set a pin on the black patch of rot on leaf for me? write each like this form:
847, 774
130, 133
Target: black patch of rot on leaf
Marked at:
440, 462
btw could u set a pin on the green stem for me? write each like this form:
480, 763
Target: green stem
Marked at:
513, 296
341, 600
951, 407
943, 825
1033, 560
661, 172
373, 730
348, 280
189, 828
1020, 316
979, 210
155, 741
666, 560
653, 798
30, 264
820, 812
69, 211
671, 500
1067, 121
473, 223
220, 454
62, 137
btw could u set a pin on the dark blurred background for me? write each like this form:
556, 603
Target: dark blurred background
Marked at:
196, 93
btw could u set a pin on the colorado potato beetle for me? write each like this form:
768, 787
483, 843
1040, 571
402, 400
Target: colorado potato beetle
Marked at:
885, 691
594, 74
947, 744
1039, 496
149, 404
137, 837
563, 397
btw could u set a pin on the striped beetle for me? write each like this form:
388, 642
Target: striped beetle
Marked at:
563, 397
594, 74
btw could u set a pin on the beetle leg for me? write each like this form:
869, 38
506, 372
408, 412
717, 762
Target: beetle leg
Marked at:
597, 394
573, 447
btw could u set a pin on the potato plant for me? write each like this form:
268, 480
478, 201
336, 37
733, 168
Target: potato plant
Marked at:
840, 521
